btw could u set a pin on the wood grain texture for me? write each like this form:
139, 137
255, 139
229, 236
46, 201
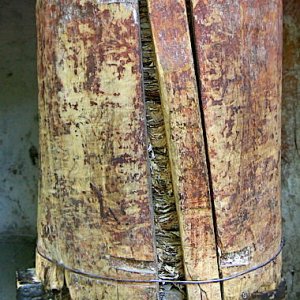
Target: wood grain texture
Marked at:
238, 46
185, 142
95, 201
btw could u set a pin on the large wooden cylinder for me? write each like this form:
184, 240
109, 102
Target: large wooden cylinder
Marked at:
151, 112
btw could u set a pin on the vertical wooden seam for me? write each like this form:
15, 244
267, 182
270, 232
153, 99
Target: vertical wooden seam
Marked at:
185, 143
239, 53
210, 184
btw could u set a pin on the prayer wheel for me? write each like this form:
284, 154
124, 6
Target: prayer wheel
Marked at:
160, 142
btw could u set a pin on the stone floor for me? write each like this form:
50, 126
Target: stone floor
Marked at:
16, 252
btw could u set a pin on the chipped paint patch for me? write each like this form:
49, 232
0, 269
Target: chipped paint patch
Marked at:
237, 258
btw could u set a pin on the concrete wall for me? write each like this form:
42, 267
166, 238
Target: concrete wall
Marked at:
291, 146
19, 128
18, 117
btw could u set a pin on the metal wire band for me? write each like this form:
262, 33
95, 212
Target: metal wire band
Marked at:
183, 282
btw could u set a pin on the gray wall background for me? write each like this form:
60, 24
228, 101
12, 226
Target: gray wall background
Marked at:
18, 117
19, 135
291, 146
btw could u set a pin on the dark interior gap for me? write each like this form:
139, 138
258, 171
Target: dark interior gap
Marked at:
166, 222
210, 184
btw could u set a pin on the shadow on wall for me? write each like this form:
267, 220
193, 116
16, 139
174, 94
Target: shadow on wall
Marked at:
18, 118
291, 146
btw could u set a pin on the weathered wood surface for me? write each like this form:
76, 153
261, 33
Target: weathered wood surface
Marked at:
238, 46
95, 201
185, 142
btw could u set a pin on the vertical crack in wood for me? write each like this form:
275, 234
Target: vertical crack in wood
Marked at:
168, 242
210, 184
238, 47
179, 97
